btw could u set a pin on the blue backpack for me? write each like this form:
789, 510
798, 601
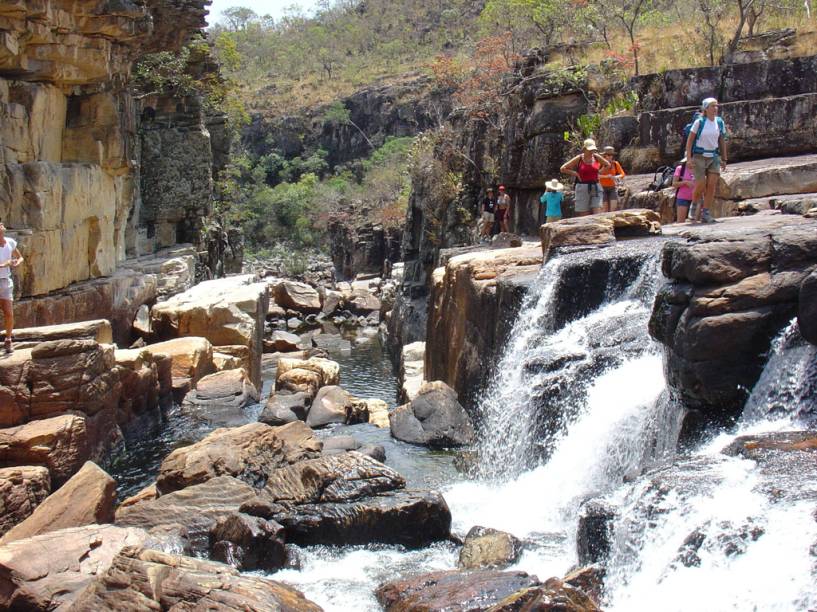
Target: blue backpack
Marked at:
700, 120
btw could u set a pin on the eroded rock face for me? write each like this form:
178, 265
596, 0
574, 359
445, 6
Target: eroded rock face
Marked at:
191, 357
157, 580
250, 453
248, 543
88, 498
61, 444
434, 418
31, 580
452, 590
228, 389
731, 290
306, 375
229, 311
22, 489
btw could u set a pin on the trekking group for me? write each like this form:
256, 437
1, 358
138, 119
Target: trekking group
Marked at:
597, 178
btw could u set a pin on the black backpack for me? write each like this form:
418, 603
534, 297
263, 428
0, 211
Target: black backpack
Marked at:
662, 178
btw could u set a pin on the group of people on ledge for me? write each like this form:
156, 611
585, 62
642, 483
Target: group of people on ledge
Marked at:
597, 178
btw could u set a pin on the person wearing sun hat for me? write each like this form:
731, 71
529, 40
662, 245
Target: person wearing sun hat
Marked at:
706, 150
551, 200
585, 167
609, 179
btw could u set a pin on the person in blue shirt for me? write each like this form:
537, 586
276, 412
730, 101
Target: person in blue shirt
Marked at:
551, 200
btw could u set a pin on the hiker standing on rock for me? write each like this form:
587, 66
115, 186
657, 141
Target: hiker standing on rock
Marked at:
684, 182
706, 147
609, 179
10, 257
488, 213
585, 167
551, 201
503, 209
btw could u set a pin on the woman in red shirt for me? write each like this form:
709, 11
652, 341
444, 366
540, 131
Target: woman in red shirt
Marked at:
585, 167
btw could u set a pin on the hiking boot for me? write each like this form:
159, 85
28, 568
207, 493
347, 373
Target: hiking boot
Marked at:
706, 217
8, 346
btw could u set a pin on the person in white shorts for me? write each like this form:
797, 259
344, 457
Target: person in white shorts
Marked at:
10, 258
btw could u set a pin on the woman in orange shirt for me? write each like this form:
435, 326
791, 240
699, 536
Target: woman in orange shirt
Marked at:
608, 179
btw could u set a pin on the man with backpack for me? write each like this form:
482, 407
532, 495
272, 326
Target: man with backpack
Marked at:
706, 148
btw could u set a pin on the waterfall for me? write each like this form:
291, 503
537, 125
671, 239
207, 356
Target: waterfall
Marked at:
543, 379
716, 532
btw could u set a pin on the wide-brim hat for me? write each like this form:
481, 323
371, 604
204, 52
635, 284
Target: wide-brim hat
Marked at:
590, 145
609, 150
555, 185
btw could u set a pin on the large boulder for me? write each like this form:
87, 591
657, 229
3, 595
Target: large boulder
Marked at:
283, 342
306, 375
553, 595
283, 408
249, 453
191, 511
61, 444
191, 357
297, 296
732, 288
22, 489
88, 498
55, 377
485, 547
349, 498
598, 229
333, 404
225, 389
248, 543
434, 418
144, 579
452, 590
226, 311
807, 308
48, 571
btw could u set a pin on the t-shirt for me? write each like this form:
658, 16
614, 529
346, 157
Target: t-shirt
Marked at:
6, 252
607, 177
684, 193
553, 203
710, 136
488, 205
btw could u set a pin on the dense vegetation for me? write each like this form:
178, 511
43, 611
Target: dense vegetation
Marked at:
300, 62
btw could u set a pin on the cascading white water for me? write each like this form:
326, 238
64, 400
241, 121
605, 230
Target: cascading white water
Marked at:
705, 534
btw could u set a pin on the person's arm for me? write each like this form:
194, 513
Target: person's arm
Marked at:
568, 167
16, 258
604, 163
690, 141
724, 152
620, 171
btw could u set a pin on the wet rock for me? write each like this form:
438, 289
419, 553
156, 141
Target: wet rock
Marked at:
22, 489
191, 511
283, 408
331, 342
588, 579
225, 389
297, 296
31, 580
146, 494
61, 444
594, 538
249, 453
139, 378
807, 308
452, 590
434, 418
332, 404
283, 342
140, 579
341, 444
248, 543
489, 548
553, 596
87, 498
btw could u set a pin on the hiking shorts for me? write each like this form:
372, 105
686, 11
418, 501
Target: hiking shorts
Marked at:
684, 203
588, 196
703, 166
610, 194
6, 289
489, 217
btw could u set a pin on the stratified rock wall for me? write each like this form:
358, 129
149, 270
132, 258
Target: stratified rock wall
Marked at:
71, 191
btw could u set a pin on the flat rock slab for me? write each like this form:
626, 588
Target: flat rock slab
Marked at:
193, 510
143, 579
452, 591
31, 580
88, 498
225, 390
